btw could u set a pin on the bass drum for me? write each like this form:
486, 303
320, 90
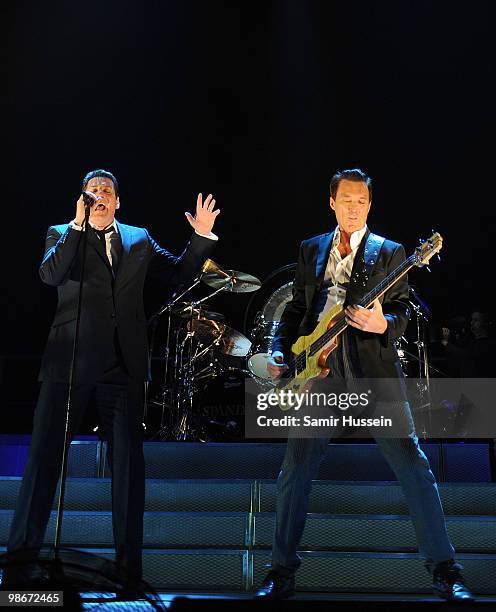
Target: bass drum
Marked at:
262, 317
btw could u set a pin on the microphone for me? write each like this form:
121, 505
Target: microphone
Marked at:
89, 199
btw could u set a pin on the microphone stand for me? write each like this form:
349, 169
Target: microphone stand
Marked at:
72, 374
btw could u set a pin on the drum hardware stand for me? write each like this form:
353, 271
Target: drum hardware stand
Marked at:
423, 386
167, 307
154, 323
211, 295
205, 350
431, 367
162, 433
183, 430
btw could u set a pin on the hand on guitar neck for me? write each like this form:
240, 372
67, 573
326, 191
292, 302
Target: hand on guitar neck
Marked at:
367, 319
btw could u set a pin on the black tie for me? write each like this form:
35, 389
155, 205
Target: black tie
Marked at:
101, 233
114, 245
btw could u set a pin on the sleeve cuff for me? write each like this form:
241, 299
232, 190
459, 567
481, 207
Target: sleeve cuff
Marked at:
73, 225
384, 337
210, 236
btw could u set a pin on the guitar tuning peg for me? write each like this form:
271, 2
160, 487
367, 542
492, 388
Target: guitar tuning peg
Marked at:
427, 268
438, 257
433, 231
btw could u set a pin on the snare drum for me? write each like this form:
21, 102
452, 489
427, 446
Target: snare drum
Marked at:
258, 357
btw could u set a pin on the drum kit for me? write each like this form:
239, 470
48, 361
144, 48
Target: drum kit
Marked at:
198, 347
202, 361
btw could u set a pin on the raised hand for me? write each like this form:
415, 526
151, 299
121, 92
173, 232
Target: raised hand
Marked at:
205, 216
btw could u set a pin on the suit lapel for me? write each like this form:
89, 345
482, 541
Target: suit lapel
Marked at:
324, 250
126, 235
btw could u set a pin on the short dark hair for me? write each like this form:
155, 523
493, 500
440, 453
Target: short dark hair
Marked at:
355, 174
103, 173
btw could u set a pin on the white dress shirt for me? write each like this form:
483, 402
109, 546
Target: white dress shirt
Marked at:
338, 272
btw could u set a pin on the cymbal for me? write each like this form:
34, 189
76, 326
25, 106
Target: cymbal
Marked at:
186, 310
232, 280
227, 339
206, 330
211, 266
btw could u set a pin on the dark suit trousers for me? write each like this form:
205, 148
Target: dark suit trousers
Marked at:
405, 457
119, 401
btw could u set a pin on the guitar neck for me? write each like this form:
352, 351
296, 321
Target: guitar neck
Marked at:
339, 327
388, 282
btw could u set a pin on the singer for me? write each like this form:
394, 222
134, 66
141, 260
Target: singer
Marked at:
112, 361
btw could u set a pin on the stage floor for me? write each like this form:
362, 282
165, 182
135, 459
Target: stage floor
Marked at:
99, 601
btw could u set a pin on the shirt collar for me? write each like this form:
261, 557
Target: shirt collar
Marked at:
355, 238
113, 225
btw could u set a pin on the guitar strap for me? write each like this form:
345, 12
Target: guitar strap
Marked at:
367, 258
371, 252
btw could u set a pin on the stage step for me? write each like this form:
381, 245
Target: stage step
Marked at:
177, 569
85, 456
212, 495
161, 495
215, 533
450, 461
369, 533
365, 572
383, 497
192, 530
340, 572
362, 533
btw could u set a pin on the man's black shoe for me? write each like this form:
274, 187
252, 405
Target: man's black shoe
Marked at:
276, 586
448, 583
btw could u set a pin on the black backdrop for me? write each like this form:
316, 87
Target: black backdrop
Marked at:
258, 103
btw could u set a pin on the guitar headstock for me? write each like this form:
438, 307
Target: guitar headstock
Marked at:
425, 251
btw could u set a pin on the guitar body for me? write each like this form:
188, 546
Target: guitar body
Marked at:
315, 364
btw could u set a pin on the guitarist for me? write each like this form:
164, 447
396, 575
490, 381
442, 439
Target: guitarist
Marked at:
341, 267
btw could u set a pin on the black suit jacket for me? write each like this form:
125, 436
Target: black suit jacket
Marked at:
377, 355
108, 304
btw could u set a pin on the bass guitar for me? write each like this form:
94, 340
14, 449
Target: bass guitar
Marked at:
311, 352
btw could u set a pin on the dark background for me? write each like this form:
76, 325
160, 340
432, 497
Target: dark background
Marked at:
258, 103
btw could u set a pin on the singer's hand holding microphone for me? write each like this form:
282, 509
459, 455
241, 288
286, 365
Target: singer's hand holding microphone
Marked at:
85, 199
